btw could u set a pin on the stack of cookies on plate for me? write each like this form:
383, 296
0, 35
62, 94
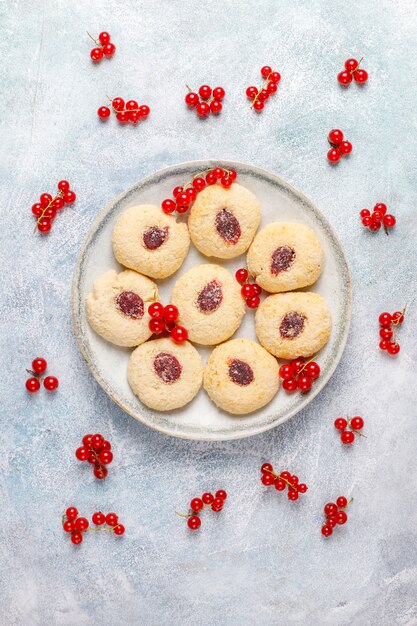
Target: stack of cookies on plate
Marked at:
240, 376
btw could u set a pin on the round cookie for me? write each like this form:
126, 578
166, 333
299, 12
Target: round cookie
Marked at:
210, 303
293, 324
117, 308
241, 377
165, 375
223, 221
285, 256
147, 240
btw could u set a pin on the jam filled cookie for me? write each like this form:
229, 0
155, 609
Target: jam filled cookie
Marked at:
223, 221
147, 240
165, 375
293, 324
210, 304
241, 377
117, 308
285, 256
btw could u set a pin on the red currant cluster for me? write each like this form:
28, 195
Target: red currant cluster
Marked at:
340, 147
334, 515
387, 333
282, 481
299, 375
104, 47
185, 195
131, 112
257, 96
352, 71
163, 319
97, 451
75, 525
378, 218
33, 383
208, 106
249, 291
198, 504
355, 424
46, 209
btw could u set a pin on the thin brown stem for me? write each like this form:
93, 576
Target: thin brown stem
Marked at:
282, 478
356, 68
95, 40
259, 91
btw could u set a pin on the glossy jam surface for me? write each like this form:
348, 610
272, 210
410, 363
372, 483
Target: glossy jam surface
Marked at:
282, 259
292, 325
240, 372
129, 303
167, 367
227, 226
154, 237
210, 298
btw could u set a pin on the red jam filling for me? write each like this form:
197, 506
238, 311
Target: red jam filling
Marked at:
154, 237
210, 298
240, 372
167, 367
227, 226
282, 258
129, 303
292, 325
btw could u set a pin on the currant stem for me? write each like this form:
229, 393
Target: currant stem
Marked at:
353, 430
279, 476
95, 40
357, 67
257, 95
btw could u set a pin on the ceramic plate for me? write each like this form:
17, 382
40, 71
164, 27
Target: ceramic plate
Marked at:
201, 419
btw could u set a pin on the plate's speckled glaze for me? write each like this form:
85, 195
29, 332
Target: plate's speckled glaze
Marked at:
201, 419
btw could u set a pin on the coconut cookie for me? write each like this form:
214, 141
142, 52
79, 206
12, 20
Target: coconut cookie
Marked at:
223, 221
285, 256
147, 240
293, 324
165, 375
117, 308
241, 377
210, 303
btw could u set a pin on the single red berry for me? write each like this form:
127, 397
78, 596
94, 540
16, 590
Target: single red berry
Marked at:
265, 71
111, 519
210, 178
96, 54
100, 471
326, 530
298, 364
134, 117
258, 105
292, 494
360, 76
205, 92
44, 225
341, 502
50, 383
340, 423
389, 221
377, 217
92, 457
191, 99
351, 65
266, 467
81, 523
181, 209
109, 49
393, 348
37, 209
68, 526
275, 77
289, 384
335, 137
122, 117
58, 203
76, 538
191, 194
398, 318
280, 484
286, 371
87, 440
98, 518
341, 517
207, 498
367, 221
168, 206
385, 319
82, 453
194, 522
177, 191
106, 445
144, 110
365, 213
199, 183
304, 383
271, 87
217, 504
196, 504
251, 92
333, 155
285, 475
345, 147
257, 289
105, 456
118, 104
247, 291
253, 302
156, 310
71, 512
330, 509
45, 199
356, 423
69, 197
226, 181
344, 78
385, 333
347, 437
179, 334
97, 441
183, 199
294, 480
312, 369
381, 207
331, 521
218, 93
103, 112
119, 529
132, 105
203, 109
104, 38
222, 494
50, 213
157, 326
215, 106
39, 365
384, 344
267, 479
302, 487
263, 95
241, 275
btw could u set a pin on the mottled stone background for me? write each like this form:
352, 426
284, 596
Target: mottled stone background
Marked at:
262, 560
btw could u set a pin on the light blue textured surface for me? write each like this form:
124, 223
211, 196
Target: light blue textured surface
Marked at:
262, 560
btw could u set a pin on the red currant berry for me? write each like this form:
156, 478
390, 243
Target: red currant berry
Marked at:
168, 206
50, 383
356, 423
199, 183
82, 453
286, 371
69, 197
381, 208
211, 178
271, 87
132, 105
97, 441
103, 112
177, 191
258, 105
81, 524
39, 365
335, 137
367, 221
398, 318
280, 484
205, 92
58, 203
92, 458
286, 475
326, 530
384, 344
247, 291
33, 385
122, 117
341, 517
100, 472
71, 512
119, 529
333, 155
265, 71
109, 49
344, 78
76, 538
217, 504
218, 93
226, 181
331, 521
267, 479
191, 194
393, 348
118, 104
157, 326
203, 109
104, 38
37, 209
222, 494
360, 76
377, 216
194, 522
44, 225
183, 199
253, 302
207, 498
304, 383
105, 456
215, 106
340, 423
45, 199
385, 333
294, 481
50, 213
275, 77
179, 334
106, 445
389, 221
134, 117
312, 369
191, 99
263, 95
345, 147
111, 519
351, 65
96, 54
330, 509
181, 209
241, 275
196, 504
341, 502
257, 289
156, 310
290, 385
68, 526
144, 110
292, 494
365, 213
347, 437
302, 487
385, 319
251, 92
98, 518
87, 440
266, 467
298, 364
